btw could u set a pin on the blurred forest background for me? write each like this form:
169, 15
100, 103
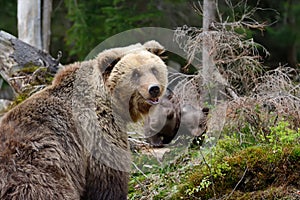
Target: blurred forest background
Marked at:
252, 146
78, 26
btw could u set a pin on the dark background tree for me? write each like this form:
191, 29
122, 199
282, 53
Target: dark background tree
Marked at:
283, 37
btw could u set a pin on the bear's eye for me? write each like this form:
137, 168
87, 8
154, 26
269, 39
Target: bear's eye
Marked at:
154, 71
136, 75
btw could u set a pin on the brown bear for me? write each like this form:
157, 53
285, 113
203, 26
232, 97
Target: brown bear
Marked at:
68, 140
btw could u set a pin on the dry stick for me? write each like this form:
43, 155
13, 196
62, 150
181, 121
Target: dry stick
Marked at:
139, 170
138, 141
232, 93
36, 89
238, 183
145, 189
138, 180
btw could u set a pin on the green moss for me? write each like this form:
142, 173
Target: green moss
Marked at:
29, 68
41, 74
49, 79
18, 99
251, 165
295, 154
282, 193
256, 168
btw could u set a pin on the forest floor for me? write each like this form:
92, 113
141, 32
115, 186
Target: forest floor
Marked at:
236, 166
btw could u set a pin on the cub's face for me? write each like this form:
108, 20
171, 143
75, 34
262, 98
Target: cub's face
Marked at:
138, 80
194, 119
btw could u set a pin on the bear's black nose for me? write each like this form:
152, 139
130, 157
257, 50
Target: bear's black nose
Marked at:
154, 91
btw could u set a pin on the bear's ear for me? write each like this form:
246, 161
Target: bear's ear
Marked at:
109, 65
107, 59
155, 48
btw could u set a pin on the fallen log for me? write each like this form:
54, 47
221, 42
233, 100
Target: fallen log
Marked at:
23, 66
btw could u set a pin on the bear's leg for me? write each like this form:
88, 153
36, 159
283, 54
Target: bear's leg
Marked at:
40, 165
155, 140
35, 186
105, 183
168, 138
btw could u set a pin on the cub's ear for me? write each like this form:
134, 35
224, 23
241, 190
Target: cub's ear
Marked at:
155, 48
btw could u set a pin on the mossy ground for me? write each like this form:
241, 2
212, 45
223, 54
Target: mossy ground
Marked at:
231, 169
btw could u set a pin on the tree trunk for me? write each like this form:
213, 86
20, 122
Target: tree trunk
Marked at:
34, 22
209, 72
46, 26
29, 22
208, 69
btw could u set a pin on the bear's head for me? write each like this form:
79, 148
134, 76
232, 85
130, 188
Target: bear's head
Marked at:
194, 119
137, 78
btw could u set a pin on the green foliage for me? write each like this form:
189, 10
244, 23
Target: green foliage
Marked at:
287, 34
18, 99
282, 134
8, 16
295, 154
205, 183
283, 36
90, 22
28, 69
94, 21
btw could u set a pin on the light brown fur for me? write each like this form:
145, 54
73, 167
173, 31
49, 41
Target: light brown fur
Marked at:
67, 141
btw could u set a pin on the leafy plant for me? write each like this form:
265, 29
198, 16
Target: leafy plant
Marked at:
94, 21
281, 136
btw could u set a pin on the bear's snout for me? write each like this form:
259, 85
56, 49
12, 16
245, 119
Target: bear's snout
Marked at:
154, 91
